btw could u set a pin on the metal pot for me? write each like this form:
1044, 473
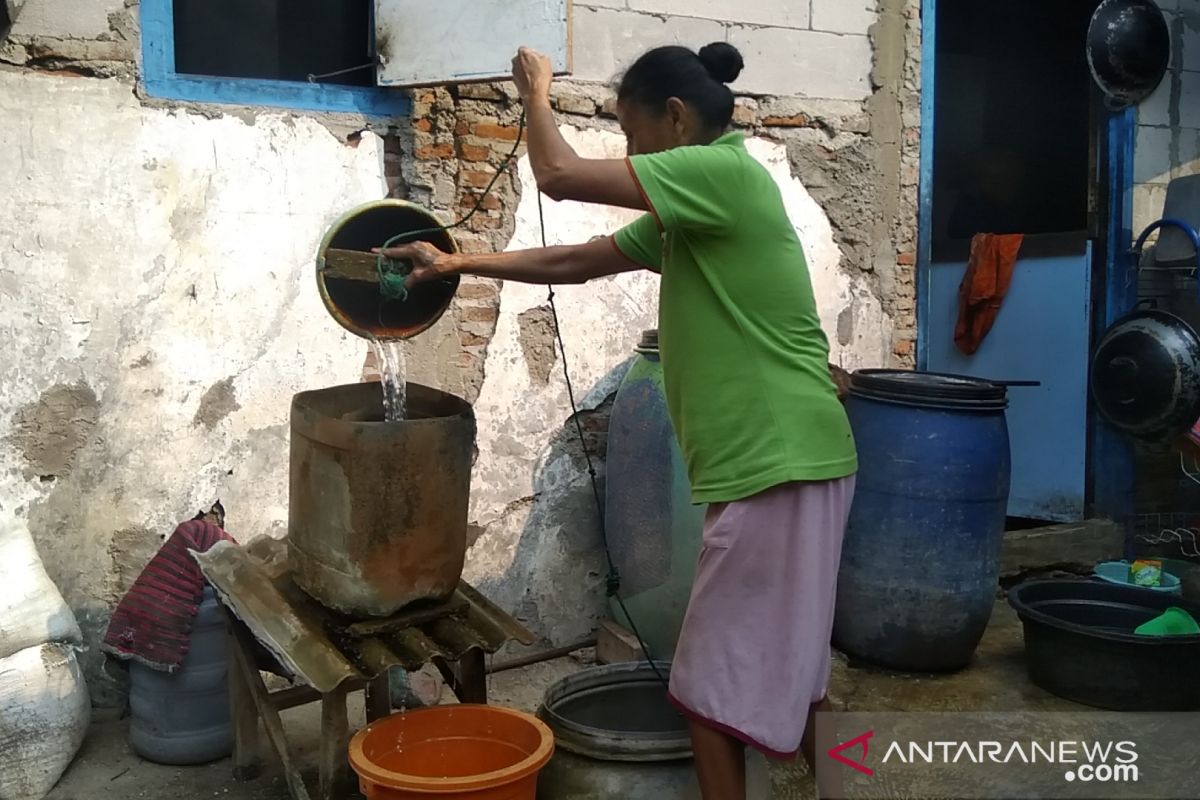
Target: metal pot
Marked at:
352, 296
1128, 50
617, 737
1146, 375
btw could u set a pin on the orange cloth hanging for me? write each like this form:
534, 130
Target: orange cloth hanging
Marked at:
983, 287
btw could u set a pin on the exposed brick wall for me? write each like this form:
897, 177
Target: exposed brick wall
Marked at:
460, 135
903, 294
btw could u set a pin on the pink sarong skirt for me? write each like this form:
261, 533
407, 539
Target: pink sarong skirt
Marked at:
753, 653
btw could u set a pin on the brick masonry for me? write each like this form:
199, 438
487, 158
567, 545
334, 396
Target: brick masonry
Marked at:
824, 79
461, 135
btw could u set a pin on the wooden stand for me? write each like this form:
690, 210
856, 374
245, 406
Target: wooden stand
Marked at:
250, 701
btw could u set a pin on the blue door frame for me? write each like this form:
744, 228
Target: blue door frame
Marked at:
1110, 458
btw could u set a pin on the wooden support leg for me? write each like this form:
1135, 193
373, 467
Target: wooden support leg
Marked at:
248, 669
449, 677
378, 696
472, 670
242, 713
335, 742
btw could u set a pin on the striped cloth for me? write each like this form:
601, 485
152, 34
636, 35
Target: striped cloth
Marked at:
153, 622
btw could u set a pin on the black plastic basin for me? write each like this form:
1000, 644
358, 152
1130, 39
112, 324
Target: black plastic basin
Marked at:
1080, 645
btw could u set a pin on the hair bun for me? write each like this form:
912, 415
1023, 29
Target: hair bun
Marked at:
722, 60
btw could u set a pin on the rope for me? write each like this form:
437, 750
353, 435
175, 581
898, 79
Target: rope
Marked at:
392, 275
394, 272
613, 579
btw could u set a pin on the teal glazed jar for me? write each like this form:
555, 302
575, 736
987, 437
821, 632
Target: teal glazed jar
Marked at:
654, 531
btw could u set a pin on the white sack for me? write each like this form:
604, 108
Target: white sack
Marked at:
44, 715
32, 611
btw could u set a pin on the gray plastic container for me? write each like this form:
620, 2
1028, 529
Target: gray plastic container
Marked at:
182, 718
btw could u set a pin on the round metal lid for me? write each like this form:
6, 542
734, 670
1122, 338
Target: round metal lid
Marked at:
1128, 49
929, 389
1146, 375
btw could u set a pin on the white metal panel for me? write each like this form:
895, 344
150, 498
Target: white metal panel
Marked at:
428, 42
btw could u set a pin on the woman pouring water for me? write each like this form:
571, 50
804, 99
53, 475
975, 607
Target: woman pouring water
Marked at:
766, 441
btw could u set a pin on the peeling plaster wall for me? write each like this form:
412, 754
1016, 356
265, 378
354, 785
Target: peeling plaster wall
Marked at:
530, 499
66, 19
155, 268
157, 308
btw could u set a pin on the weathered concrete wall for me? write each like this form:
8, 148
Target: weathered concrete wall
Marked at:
9, 9
1168, 141
157, 379
540, 534
814, 48
67, 19
158, 310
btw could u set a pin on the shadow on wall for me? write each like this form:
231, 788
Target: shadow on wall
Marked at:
8, 15
555, 582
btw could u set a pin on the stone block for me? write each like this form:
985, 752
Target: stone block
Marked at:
615, 645
1152, 162
481, 91
1188, 51
1189, 99
65, 18
776, 13
1149, 200
1086, 544
1189, 153
843, 16
576, 104
607, 41
789, 62
1156, 109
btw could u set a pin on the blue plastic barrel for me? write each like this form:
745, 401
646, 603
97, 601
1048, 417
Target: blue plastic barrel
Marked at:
654, 532
183, 718
921, 559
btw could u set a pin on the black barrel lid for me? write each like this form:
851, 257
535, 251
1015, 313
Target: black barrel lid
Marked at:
929, 389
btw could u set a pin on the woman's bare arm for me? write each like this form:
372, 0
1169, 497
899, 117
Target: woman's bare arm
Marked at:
565, 264
560, 172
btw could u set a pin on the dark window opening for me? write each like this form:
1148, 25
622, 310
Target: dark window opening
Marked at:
1013, 125
284, 40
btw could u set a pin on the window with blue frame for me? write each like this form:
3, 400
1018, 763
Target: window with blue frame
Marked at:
316, 55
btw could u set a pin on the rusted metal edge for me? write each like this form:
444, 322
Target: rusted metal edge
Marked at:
317, 645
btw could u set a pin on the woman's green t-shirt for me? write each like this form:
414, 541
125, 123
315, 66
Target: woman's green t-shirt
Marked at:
745, 362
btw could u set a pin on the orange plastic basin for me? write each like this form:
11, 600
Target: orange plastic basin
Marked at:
455, 751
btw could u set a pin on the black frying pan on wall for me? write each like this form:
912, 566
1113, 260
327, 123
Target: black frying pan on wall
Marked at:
1128, 50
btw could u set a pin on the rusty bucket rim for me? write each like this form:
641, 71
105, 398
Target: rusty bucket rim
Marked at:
466, 409
336, 227
342, 433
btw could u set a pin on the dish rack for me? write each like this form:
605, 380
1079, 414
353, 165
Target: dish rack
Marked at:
1171, 534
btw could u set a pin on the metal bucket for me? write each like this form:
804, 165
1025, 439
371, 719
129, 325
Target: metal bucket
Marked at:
378, 511
357, 305
617, 737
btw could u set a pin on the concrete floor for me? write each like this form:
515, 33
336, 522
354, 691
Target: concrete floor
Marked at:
107, 768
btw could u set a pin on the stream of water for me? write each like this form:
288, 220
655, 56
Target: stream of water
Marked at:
389, 358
